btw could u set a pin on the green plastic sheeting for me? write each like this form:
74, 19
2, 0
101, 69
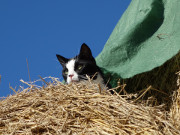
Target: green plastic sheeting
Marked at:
146, 36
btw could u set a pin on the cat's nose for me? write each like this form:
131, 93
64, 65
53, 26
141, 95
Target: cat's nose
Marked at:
71, 75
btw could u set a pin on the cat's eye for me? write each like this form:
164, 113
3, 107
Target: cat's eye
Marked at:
80, 67
66, 72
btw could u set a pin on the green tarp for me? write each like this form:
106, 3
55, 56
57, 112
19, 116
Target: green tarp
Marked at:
146, 36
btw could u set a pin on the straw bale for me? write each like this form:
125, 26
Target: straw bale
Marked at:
80, 108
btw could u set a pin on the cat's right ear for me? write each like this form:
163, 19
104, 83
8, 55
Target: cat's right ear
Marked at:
62, 60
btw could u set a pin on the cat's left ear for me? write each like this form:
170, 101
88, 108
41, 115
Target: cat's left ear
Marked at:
85, 52
62, 60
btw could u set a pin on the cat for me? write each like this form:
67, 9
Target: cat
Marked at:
78, 68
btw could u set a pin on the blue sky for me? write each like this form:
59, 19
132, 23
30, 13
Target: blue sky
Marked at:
37, 30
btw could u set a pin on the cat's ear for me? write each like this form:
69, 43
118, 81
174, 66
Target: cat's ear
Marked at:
62, 60
85, 52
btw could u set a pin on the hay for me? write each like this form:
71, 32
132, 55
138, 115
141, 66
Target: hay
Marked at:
175, 109
81, 109
162, 79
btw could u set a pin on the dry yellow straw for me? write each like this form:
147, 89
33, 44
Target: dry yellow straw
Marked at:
81, 108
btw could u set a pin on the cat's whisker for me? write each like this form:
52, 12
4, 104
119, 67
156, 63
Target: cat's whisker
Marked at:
83, 77
88, 76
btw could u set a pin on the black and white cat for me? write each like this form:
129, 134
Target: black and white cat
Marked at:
78, 68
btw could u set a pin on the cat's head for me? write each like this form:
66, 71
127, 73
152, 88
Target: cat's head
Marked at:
79, 67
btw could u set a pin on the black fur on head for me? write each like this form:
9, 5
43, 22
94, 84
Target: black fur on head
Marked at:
81, 66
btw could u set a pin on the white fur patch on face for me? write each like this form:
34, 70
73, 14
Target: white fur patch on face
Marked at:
72, 75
